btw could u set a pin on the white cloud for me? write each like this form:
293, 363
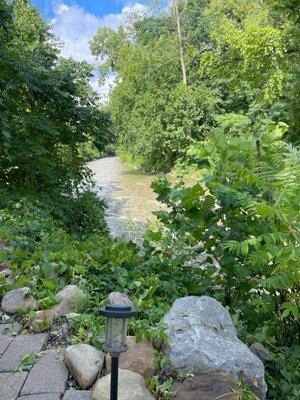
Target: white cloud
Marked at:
74, 28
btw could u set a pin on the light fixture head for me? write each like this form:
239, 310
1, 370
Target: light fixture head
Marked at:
117, 317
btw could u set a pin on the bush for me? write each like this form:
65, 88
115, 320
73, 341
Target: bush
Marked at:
235, 236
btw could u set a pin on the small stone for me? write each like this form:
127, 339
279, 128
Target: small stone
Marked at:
10, 385
120, 299
139, 358
261, 352
3, 265
70, 297
5, 318
131, 387
73, 394
84, 362
19, 347
48, 375
8, 275
215, 385
6, 272
18, 300
42, 320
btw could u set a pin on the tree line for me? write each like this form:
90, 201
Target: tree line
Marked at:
189, 62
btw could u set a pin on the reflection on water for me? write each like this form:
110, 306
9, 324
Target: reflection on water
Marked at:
126, 192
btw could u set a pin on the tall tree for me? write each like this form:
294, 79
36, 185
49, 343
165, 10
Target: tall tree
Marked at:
46, 108
177, 15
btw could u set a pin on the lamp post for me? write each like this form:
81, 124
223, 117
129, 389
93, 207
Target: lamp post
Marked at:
115, 343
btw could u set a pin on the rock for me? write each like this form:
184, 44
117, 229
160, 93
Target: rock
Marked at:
71, 316
7, 274
5, 318
215, 385
261, 352
84, 362
18, 300
140, 358
131, 387
121, 299
202, 339
70, 297
42, 320
3, 265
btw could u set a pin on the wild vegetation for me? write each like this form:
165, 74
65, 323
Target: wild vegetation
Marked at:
228, 59
208, 88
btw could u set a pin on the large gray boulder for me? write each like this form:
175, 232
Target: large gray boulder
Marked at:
70, 297
18, 300
84, 362
131, 387
202, 339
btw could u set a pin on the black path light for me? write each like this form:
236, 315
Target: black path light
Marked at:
115, 343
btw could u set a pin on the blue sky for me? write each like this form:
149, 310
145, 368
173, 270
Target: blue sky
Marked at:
95, 7
75, 22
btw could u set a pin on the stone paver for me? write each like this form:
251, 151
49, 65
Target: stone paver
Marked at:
40, 397
73, 394
48, 375
19, 347
10, 385
7, 333
12, 328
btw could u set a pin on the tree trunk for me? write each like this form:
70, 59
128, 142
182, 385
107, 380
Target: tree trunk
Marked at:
180, 41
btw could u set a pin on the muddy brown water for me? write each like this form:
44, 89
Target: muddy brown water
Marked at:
127, 193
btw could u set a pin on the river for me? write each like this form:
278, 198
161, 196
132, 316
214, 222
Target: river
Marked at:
127, 194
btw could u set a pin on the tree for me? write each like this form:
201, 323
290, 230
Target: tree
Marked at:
47, 107
177, 15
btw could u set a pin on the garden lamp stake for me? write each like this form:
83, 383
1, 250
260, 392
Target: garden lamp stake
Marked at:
117, 317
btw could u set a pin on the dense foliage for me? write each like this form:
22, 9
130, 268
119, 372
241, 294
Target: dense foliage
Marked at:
240, 226
238, 56
47, 107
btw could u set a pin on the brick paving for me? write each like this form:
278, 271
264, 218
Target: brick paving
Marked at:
11, 384
48, 375
46, 380
7, 334
19, 347
43, 396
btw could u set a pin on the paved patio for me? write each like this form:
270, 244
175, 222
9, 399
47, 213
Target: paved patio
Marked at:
47, 379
